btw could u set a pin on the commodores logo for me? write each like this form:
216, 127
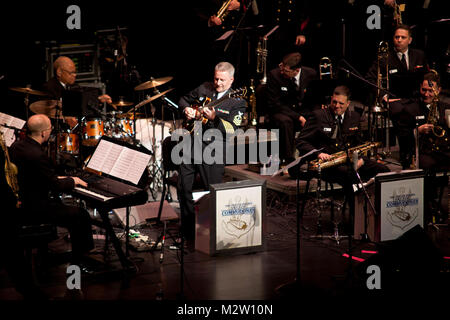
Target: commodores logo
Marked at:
238, 218
405, 208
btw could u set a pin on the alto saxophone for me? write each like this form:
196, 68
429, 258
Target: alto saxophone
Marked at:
223, 11
10, 171
341, 156
439, 138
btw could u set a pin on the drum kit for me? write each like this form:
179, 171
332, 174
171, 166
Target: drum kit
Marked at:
131, 126
117, 124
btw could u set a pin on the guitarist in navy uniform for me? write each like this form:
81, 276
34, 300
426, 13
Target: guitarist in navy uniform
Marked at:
226, 116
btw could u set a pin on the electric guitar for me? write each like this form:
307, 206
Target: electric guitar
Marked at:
190, 125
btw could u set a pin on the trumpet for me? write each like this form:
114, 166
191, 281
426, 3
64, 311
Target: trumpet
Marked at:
325, 68
261, 59
223, 11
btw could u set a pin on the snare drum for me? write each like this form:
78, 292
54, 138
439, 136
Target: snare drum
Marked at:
68, 143
92, 131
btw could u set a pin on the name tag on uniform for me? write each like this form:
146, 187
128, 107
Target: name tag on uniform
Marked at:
420, 117
327, 129
393, 71
284, 89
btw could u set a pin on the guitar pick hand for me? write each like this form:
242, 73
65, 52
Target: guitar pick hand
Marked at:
209, 114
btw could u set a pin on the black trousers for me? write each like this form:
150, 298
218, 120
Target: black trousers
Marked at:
287, 127
209, 174
75, 219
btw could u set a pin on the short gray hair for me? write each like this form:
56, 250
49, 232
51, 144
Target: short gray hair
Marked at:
225, 67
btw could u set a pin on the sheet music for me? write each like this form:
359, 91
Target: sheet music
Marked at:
8, 134
225, 35
119, 161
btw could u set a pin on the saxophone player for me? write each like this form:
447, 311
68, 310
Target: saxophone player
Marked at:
335, 129
434, 154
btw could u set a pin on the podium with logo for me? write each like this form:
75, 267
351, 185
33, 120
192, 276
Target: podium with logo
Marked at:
399, 205
230, 218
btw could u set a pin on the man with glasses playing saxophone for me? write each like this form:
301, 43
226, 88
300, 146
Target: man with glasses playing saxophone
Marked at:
336, 129
428, 116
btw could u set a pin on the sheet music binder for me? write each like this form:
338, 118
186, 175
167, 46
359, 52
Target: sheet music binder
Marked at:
119, 160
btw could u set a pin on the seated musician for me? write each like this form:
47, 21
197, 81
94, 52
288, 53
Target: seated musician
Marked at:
434, 152
336, 129
286, 86
65, 76
427, 113
37, 180
225, 117
13, 258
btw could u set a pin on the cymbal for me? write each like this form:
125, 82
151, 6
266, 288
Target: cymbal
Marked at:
29, 91
153, 83
47, 107
140, 104
122, 103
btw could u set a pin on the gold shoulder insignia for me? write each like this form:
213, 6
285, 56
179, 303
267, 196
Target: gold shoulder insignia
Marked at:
228, 126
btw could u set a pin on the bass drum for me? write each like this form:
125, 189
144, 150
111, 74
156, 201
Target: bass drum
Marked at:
146, 131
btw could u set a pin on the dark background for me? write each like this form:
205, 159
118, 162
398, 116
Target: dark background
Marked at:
166, 38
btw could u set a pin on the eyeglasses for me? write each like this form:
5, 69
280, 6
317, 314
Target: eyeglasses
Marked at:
51, 128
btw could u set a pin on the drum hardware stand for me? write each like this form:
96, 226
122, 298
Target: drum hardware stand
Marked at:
319, 201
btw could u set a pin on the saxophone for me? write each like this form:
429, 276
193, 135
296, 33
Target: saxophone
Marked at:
341, 156
252, 103
439, 138
10, 171
223, 11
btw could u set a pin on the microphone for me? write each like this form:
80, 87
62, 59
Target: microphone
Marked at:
355, 160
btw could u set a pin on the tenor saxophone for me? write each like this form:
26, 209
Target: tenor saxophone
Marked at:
10, 171
341, 156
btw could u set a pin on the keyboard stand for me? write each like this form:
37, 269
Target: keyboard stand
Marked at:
106, 224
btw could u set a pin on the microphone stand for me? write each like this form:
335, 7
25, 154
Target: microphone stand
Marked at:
385, 91
296, 284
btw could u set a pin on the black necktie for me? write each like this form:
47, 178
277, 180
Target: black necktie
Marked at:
339, 129
403, 61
